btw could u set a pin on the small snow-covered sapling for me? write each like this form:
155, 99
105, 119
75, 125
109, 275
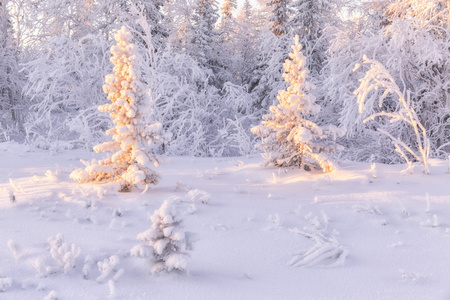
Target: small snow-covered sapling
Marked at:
165, 242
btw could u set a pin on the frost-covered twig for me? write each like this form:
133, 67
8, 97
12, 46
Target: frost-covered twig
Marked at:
326, 252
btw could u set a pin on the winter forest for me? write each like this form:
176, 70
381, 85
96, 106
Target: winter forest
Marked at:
375, 73
204, 149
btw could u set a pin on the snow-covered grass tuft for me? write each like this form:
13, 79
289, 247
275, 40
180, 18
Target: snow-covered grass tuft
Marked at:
370, 207
64, 255
5, 284
434, 222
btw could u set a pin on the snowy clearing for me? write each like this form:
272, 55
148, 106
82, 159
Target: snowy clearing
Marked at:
361, 232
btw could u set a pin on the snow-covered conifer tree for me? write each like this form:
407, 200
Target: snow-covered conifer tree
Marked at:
205, 46
309, 21
287, 134
128, 96
280, 16
165, 241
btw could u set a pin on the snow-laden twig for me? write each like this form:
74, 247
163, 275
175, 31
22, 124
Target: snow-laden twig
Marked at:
326, 252
370, 207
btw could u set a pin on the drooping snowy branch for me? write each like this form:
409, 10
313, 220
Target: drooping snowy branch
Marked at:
377, 85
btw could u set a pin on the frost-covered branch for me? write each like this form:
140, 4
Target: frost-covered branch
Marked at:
377, 85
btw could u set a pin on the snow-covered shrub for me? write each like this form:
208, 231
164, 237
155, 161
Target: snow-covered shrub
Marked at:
65, 87
405, 36
375, 87
62, 254
166, 241
129, 96
287, 134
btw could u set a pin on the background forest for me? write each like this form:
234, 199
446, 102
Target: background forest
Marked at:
214, 70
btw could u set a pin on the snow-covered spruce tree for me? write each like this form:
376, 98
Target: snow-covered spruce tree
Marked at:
287, 134
165, 242
205, 44
246, 39
267, 78
128, 96
280, 16
309, 19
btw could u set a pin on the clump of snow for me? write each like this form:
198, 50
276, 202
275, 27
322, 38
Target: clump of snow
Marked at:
15, 248
88, 262
51, 296
197, 195
107, 267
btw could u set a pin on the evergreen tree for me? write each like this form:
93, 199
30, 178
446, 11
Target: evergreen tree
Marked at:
286, 133
309, 21
166, 241
178, 14
128, 96
204, 42
280, 16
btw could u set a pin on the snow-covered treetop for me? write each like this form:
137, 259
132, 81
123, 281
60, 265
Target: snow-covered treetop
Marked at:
297, 93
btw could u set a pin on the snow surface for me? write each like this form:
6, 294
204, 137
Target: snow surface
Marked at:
361, 232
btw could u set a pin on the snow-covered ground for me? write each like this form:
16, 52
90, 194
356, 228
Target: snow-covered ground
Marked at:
262, 233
